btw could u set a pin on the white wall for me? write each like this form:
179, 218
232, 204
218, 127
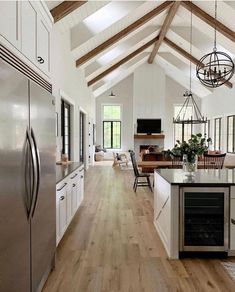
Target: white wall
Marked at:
220, 103
174, 96
124, 96
69, 79
149, 92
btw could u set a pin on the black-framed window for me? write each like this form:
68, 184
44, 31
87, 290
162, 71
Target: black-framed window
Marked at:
82, 136
231, 134
207, 129
112, 126
183, 132
112, 134
217, 134
66, 128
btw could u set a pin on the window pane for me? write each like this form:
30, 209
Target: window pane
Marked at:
107, 134
112, 112
230, 131
187, 132
178, 132
217, 142
116, 135
178, 127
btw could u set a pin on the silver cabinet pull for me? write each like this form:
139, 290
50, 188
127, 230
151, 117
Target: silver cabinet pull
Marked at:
62, 198
74, 176
81, 169
62, 187
233, 221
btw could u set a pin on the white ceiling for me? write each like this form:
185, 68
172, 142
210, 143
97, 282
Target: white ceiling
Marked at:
96, 21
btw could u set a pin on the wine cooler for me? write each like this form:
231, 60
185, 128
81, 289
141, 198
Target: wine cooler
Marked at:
204, 219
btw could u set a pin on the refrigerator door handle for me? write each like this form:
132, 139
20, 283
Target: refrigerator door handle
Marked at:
34, 170
38, 167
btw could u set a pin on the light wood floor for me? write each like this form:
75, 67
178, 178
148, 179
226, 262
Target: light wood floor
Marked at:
112, 245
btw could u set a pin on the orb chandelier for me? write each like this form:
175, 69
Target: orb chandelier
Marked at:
190, 106
215, 68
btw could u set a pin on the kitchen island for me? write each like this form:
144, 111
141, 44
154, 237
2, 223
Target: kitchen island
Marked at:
195, 213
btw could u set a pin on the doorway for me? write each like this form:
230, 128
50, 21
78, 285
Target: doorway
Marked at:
82, 137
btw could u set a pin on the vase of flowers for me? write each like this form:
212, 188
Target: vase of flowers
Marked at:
189, 151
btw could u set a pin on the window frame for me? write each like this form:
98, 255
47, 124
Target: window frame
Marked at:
183, 125
65, 104
220, 133
112, 120
233, 134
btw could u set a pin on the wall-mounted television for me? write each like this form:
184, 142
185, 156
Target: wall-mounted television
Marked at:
149, 126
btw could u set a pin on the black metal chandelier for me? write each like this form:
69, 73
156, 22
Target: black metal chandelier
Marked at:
183, 116
215, 68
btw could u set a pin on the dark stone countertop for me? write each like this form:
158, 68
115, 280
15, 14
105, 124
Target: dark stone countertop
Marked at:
64, 170
202, 177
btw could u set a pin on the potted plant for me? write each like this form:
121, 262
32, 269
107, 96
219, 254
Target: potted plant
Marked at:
189, 151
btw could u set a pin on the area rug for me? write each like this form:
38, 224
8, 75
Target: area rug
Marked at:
230, 268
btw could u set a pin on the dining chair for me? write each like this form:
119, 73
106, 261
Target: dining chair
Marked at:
139, 175
214, 161
177, 161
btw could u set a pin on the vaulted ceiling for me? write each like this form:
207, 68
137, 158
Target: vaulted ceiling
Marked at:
110, 39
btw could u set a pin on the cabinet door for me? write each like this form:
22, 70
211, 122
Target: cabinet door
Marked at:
43, 46
9, 27
61, 198
232, 224
69, 205
81, 185
57, 218
29, 30
74, 198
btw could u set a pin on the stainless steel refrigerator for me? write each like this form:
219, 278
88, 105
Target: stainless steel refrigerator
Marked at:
27, 182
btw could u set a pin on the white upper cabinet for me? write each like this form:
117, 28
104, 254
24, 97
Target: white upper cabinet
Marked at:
9, 24
43, 45
29, 30
25, 28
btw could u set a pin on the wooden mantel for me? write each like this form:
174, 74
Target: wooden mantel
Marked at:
155, 136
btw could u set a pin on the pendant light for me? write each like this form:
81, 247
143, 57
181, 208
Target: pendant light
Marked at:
215, 68
190, 105
112, 95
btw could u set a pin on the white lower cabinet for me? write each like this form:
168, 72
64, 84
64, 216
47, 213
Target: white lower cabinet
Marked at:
69, 195
61, 209
81, 185
232, 224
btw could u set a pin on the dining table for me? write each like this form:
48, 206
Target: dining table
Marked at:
168, 164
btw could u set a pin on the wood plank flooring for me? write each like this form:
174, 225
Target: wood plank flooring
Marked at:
112, 245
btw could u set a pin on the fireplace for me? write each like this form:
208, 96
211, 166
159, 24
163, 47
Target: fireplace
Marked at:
150, 148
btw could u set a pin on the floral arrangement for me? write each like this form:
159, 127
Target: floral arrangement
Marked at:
196, 146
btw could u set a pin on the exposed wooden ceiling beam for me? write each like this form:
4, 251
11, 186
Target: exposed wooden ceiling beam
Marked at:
188, 56
123, 33
65, 8
227, 32
121, 62
164, 30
